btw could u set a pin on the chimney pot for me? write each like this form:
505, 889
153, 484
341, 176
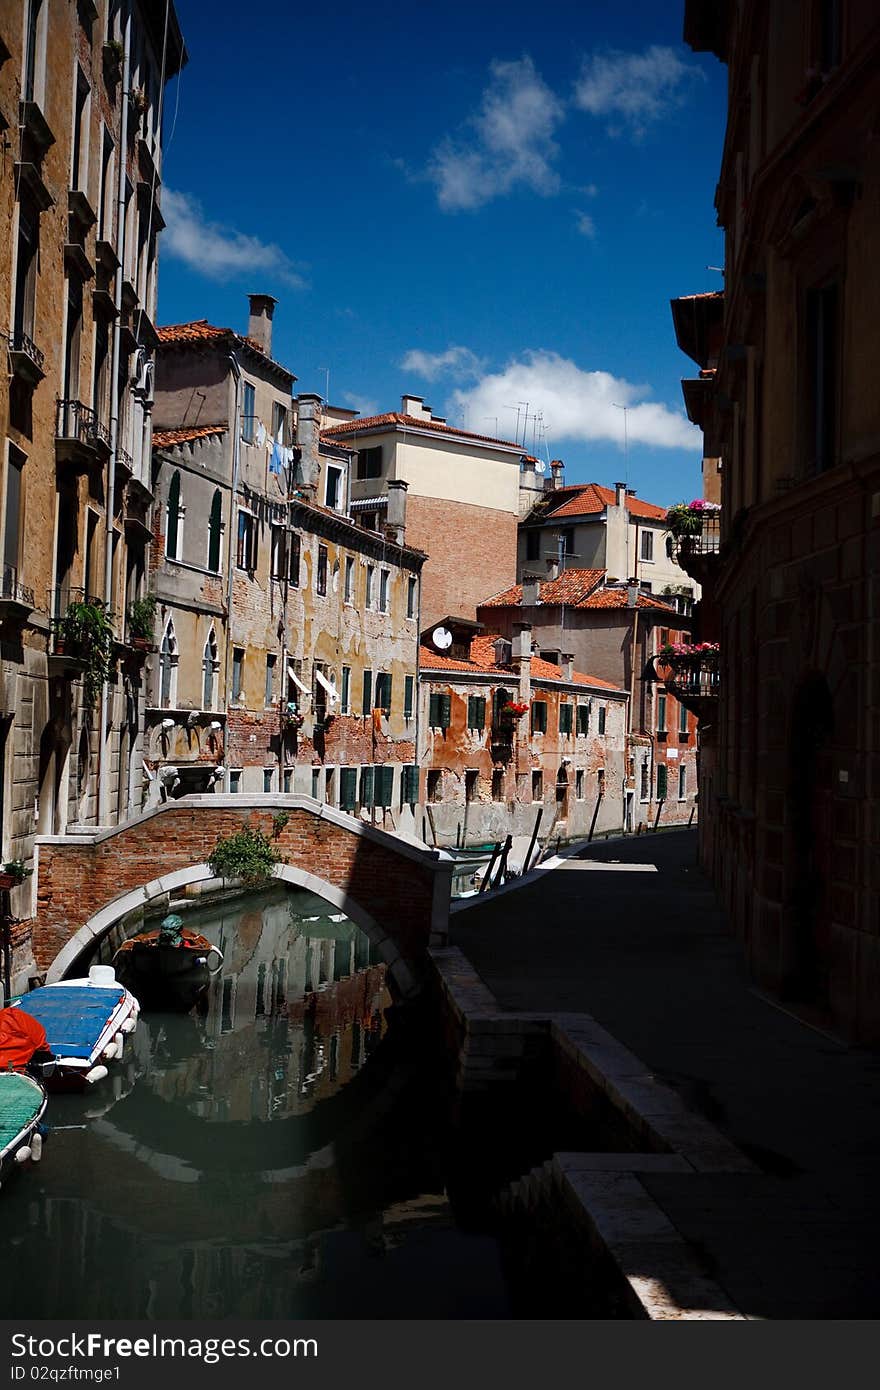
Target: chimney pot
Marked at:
395, 517
619, 494
566, 665
262, 307
531, 590
632, 593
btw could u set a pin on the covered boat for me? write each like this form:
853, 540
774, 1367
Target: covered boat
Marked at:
169, 968
23, 1044
86, 1022
22, 1102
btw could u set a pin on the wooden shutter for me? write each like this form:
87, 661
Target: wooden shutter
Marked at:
662, 780
368, 692
444, 711
347, 788
384, 781
411, 783
367, 783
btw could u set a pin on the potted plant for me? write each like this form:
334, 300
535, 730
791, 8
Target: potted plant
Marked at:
86, 632
14, 872
141, 615
113, 54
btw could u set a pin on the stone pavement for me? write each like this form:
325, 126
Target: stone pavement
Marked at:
631, 933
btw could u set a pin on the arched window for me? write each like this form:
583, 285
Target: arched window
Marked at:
210, 667
168, 658
173, 517
215, 526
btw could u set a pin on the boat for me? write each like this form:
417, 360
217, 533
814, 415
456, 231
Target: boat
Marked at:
170, 967
86, 1022
24, 1045
22, 1102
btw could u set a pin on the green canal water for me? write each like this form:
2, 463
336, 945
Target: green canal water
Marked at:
292, 1151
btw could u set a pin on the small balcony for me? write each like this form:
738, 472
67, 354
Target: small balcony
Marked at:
696, 539
692, 676
16, 599
26, 358
80, 438
35, 127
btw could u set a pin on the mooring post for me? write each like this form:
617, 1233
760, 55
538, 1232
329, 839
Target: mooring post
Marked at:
525, 867
660, 805
595, 816
502, 862
490, 866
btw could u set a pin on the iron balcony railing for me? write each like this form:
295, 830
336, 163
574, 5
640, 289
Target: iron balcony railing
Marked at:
694, 677
61, 596
12, 589
76, 421
700, 543
20, 342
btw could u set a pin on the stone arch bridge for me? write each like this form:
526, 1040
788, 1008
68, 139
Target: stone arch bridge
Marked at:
396, 891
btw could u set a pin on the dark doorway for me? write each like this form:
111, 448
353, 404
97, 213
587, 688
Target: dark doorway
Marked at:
810, 819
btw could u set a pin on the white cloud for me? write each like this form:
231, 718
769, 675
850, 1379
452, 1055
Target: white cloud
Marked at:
457, 362
585, 224
220, 252
364, 405
633, 89
577, 404
509, 142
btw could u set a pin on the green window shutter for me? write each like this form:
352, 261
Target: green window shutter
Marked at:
383, 691
601, 719
477, 712
583, 719
565, 719
409, 685
368, 692
539, 717
347, 788
384, 780
662, 780
411, 784
433, 707
444, 711
367, 782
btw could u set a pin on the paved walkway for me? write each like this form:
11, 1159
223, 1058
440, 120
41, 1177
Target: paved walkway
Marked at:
631, 933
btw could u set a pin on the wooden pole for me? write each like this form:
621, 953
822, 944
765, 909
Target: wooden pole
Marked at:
6, 925
660, 805
502, 862
692, 814
595, 816
432, 825
525, 867
490, 866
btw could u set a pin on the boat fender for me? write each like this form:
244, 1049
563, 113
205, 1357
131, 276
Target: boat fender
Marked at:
129, 1025
119, 1044
36, 1146
96, 1074
109, 1053
23, 1154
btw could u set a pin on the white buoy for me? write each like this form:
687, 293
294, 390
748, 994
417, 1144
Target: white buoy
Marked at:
36, 1147
103, 975
96, 1074
23, 1154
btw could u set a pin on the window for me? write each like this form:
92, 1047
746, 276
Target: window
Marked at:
328, 786
349, 579
79, 170
822, 370
316, 782
271, 660
647, 545
409, 784
333, 489
383, 692
370, 521
246, 552
435, 784
287, 779
565, 720
26, 270
682, 783
471, 783
367, 786
237, 672
321, 582
345, 692
411, 596
600, 782
383, 784
105, 210
12, 527
476, 715
168, 658
367, 703
215, 530
579, 784
348, 779
583, 719
235, 780
371, 574
533, 545
601, 719
409, 690
661, 712
498, 784
662, 781
72, 346
537, 786
210, 667
34, 52
267, 779
645, 786
369, 464
293, 558
539, 717
383, 591
279, 423
249, 414
90, 571
101, 372
440, 711
682, 719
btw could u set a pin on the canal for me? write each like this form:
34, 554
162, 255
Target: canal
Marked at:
293, 1150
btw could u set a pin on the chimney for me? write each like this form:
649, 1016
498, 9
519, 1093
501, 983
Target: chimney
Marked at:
395, 518
308, 438
531, 590
620, 494
557, 473
522, 659
262, 307
503, 653
414, 405
632, 593
566, 665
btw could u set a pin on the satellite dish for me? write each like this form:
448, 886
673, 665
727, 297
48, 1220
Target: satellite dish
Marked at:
442, 638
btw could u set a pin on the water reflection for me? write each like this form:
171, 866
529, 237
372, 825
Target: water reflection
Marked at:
245, 1160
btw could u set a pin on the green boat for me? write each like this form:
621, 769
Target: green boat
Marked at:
22, 1102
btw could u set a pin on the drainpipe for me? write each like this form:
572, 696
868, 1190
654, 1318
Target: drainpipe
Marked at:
110, 501
230, 540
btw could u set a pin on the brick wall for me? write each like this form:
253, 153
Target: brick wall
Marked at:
472, 554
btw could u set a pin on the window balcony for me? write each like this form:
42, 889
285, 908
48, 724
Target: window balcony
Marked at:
80, 438
696, 544
693, 677
16, 599
35, 126
27, 359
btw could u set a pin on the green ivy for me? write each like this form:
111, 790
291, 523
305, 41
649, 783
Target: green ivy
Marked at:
141, 616
248, 856
88, 633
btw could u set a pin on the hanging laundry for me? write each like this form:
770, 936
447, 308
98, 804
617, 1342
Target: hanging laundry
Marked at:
260, 434
276, 462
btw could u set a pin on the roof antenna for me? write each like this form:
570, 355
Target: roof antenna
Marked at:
326, 371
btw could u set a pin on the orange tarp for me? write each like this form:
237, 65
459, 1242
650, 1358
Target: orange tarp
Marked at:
21, 1035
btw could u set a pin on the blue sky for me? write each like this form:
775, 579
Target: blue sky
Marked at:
483, 204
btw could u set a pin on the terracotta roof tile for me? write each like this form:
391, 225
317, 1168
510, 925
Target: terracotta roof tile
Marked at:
371, 423
571, 587
200, 331
591, 498
617, 598
163, 438
483, 663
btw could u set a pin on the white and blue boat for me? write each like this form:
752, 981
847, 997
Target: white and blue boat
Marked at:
22, 1102
86, 1023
